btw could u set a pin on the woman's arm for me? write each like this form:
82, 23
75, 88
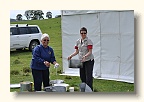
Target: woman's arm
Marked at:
75, 53
53, 60
89, 47
87, 54
36, 55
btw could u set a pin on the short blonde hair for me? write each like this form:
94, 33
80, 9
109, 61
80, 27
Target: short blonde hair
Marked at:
44, 35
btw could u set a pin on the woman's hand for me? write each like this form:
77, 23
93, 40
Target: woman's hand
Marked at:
83, 58
47, 63
56, 65
69, 57
75, 53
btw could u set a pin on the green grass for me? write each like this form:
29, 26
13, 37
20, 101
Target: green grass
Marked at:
21, 59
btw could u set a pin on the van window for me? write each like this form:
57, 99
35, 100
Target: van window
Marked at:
34, 29
24, 30
14, 31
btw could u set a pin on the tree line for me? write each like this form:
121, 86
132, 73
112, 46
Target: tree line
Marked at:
34, 15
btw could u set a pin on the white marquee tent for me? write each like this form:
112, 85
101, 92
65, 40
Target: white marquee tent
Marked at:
112, 33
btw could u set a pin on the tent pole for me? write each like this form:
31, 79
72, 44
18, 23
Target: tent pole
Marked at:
100, 43
120, 47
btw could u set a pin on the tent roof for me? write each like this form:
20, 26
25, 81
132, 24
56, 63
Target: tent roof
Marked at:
75, 12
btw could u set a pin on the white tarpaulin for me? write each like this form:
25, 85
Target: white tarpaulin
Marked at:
112, 34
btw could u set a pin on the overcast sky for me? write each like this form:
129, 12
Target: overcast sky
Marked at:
13, 13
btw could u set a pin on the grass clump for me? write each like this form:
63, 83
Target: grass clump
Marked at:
16, 61
68, 77
14, 72
26, 70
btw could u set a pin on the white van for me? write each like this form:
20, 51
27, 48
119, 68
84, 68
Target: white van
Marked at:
24, 36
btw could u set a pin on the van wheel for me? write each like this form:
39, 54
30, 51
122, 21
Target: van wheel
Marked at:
32, 45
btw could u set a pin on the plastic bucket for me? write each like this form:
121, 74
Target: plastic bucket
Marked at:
26, 86
75, 63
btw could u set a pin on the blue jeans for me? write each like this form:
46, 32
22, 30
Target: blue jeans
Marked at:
40, 76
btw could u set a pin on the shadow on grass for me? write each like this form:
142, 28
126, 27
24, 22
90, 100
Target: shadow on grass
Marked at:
95, 90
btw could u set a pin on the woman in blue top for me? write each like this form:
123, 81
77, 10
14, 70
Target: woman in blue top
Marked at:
42, 56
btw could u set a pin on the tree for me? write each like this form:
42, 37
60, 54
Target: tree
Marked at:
34, 14
49, 15
28, 14
38, 14
19, 17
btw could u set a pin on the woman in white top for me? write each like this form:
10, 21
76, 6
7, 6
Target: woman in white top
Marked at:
84, 48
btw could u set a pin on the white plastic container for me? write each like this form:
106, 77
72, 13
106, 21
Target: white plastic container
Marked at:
71, 89
61, 85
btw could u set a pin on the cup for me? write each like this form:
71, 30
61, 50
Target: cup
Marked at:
71, 89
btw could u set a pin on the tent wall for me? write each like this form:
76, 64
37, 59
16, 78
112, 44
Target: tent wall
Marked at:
112, 33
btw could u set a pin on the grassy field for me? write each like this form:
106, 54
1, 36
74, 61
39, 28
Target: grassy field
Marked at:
20, 62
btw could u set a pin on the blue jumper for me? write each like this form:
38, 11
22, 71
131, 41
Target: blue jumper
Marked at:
41, 54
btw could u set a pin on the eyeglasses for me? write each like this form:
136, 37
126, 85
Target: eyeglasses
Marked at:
45, 40
83, 33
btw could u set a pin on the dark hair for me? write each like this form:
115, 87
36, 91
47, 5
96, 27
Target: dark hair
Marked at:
83, 29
